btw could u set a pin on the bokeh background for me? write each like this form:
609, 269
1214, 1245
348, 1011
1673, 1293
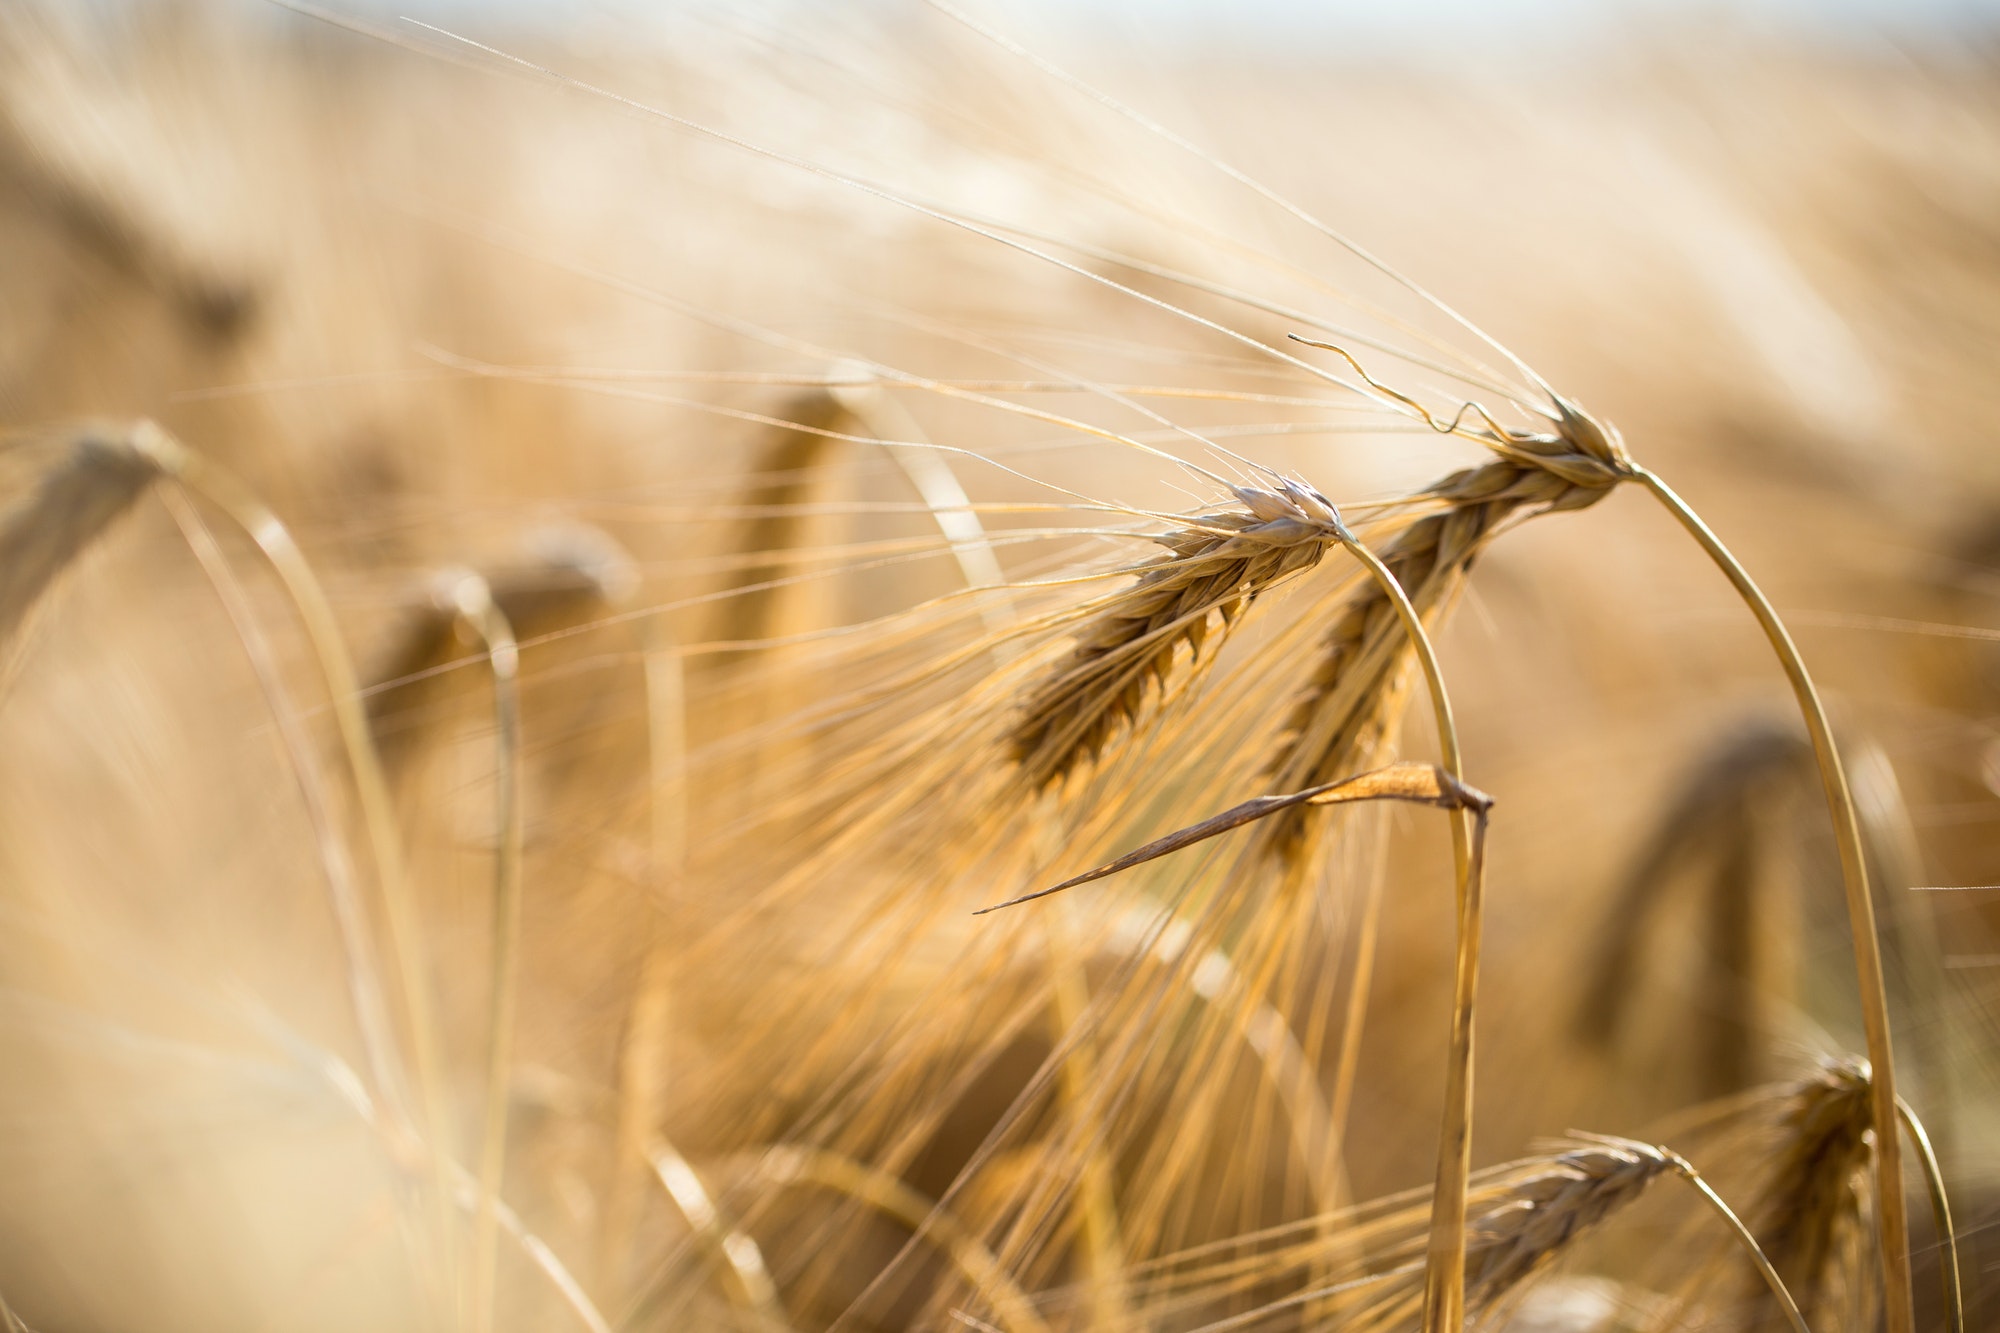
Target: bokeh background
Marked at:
442, 311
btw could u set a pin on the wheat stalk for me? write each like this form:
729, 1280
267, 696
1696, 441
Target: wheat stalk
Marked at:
274, 541
471, 600
349, 908
1892, 1220
641, 1053
1954, 1295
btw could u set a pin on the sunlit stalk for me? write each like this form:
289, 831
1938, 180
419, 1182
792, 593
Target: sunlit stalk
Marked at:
1444, 1272
473, 601
1891, 1214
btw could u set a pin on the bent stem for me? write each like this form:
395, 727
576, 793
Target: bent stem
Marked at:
473, 601
888, 1194
274, 542
1892, 1217
1954, 1299
1444, 1271
1685, 1169
642, 1072
364, 984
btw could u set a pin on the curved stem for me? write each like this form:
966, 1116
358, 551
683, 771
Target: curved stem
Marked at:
1954, 1298
473, 601
1686, 1171
364, 985
786, 1165
1892, 1217
316, 616
642, 1059
1444, 1272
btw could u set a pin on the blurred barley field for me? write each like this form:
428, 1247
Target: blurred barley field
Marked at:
547, 571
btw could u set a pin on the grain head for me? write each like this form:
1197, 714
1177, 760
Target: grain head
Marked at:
1126, 653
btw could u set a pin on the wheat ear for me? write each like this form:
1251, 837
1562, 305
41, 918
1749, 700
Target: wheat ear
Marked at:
104, 472
1218, 564
574, 573
1809, 1197
1520, 1237
1348, 703
1891, 1215
1522, 1231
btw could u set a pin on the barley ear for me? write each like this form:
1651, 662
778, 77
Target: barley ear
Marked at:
1529, 1225
104, 472
1218, 564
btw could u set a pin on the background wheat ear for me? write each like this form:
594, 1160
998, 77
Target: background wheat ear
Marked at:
784, 476
1126, 651
1711, 823
1811, 1210
102, 473
567, 576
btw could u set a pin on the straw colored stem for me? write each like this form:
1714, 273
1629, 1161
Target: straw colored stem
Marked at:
1892, 1218
641, 1057
473, 601
350, 917
1444, 1274
1685, 1169
316, 616
1954, 1297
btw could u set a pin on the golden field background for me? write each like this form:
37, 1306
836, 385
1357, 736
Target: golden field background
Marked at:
441, 312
